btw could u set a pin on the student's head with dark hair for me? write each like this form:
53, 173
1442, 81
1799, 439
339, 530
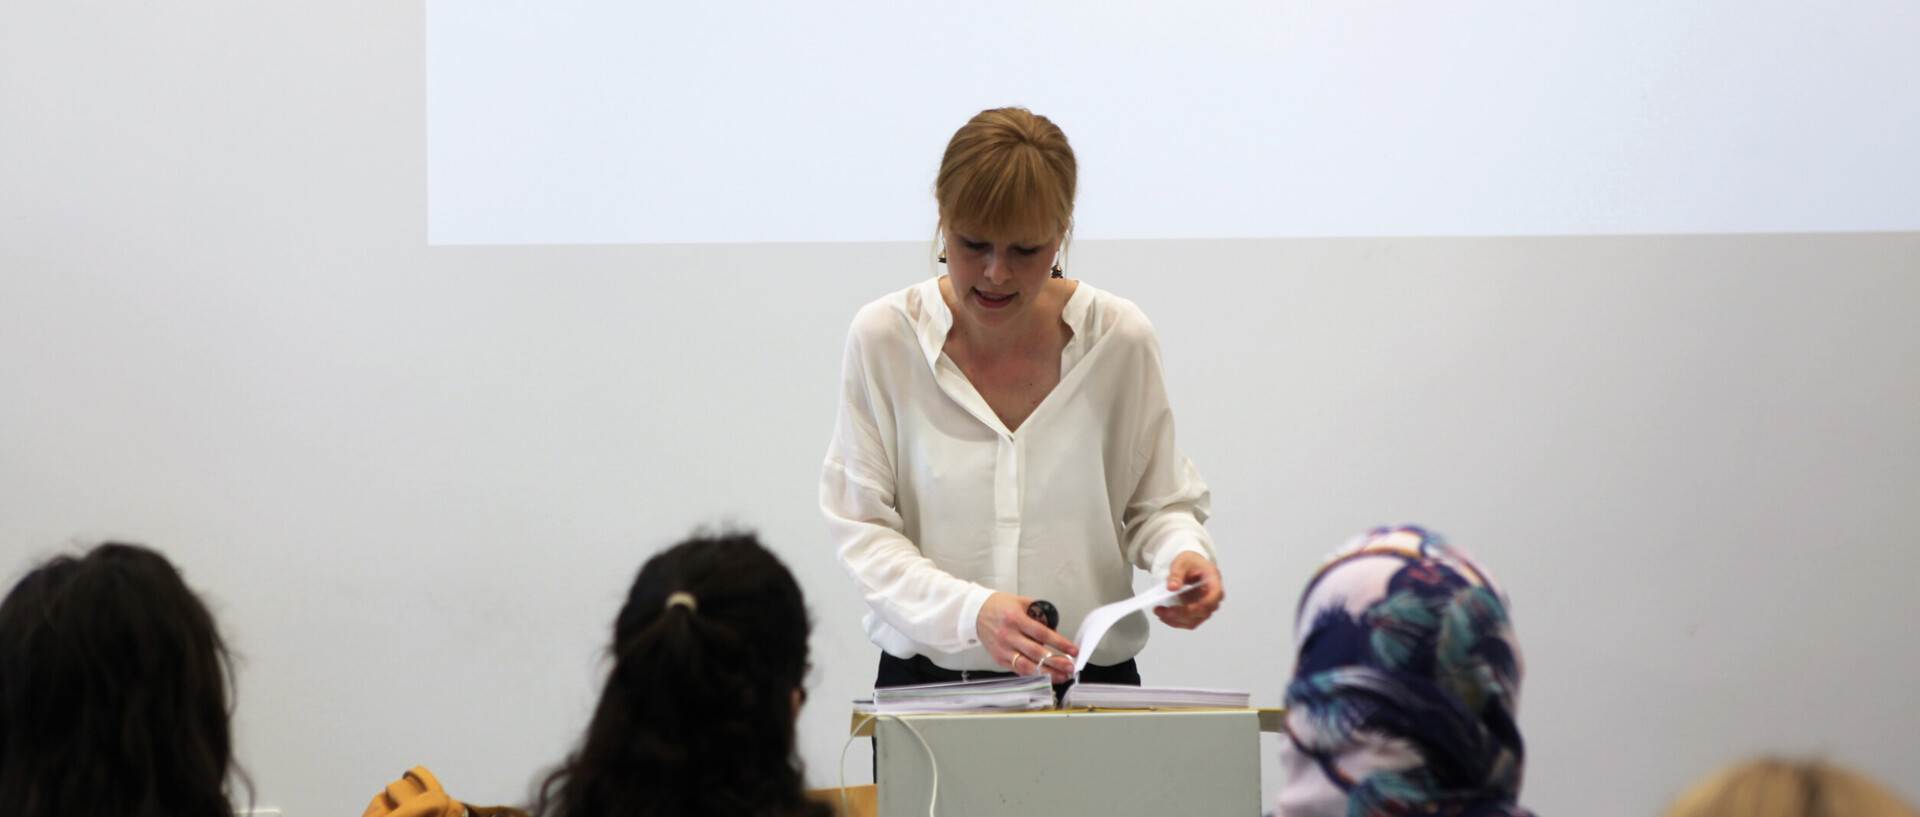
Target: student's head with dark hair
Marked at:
697, 719
114, 692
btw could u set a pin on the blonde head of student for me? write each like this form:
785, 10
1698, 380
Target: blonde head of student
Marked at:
1776, 787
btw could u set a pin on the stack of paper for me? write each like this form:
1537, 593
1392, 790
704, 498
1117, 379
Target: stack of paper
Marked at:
988, 695
1123, 696
1036, 691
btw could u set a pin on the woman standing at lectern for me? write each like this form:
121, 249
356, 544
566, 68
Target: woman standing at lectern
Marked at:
1005, 437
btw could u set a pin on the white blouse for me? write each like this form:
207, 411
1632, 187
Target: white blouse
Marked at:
935, 505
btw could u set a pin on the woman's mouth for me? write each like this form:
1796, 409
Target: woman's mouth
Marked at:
994, 301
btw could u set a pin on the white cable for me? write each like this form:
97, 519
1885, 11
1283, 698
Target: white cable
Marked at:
846, 809
931, 762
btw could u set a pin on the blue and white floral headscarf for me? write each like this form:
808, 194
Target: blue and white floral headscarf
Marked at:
1405, 686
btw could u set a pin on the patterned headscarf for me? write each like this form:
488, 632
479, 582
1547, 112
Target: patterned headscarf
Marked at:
1405, 687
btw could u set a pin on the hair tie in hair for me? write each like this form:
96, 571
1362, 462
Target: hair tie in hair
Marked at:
683, 599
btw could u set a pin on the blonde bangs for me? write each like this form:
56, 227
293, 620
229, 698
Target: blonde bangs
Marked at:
1008, 174
1009, 198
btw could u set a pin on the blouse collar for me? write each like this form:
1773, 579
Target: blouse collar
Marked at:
932, 320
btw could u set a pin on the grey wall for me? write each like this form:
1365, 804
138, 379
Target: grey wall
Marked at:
415, 481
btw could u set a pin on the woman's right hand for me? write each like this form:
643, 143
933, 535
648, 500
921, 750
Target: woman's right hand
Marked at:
1021, 643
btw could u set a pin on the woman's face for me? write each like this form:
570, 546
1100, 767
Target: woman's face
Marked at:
996, 278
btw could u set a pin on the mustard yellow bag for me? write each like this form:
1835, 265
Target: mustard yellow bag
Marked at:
418, 794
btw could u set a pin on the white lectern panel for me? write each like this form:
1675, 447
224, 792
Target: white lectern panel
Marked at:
1062, 764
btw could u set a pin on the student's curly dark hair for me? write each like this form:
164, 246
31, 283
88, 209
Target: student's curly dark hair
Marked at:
697, 719
114, 692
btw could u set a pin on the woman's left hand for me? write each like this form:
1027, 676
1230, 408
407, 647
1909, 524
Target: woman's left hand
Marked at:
1200, 603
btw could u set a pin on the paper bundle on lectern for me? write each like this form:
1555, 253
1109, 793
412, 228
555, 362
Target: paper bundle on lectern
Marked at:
1036, 691
985, 695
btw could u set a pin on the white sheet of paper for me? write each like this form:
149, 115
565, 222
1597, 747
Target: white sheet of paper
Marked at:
1095, 625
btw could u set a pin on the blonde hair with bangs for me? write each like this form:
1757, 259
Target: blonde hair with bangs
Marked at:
1770, 787
1007, 172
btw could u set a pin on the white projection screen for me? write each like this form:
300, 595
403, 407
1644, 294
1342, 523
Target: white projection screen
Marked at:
597, 121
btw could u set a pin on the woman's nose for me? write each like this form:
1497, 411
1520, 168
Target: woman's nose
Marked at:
997, 271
